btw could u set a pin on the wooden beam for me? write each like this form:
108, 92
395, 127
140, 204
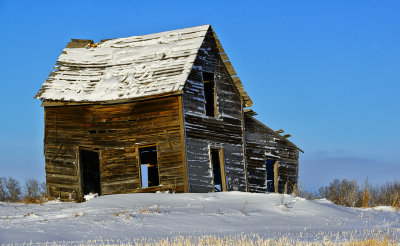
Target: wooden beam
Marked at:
48, 103
222, 168
224, 57
183, 145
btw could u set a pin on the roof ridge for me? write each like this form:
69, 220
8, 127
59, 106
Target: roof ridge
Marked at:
156, 33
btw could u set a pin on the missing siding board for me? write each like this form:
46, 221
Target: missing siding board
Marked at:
209, 94
149, 166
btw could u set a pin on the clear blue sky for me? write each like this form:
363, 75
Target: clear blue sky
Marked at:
326, 72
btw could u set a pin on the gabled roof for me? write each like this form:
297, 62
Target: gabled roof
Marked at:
128, 68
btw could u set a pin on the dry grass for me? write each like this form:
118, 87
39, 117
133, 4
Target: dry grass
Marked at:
150, 211
396, 201
373, 242
79, 214
244, 240
285, 188
236, 240
365, 198
38, 200
294, 190
130, 214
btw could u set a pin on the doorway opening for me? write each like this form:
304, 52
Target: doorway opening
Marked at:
149, 166
218, 169
90, 164
270, 175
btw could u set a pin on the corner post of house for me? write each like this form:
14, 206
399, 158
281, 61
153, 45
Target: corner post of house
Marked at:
244, 145
186, 188
78, 172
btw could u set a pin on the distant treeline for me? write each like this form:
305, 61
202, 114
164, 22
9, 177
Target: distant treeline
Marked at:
31, 191
342, 192
351, 194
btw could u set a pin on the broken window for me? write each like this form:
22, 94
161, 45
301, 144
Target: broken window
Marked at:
270, 175
218, 169
149, 166
209, 94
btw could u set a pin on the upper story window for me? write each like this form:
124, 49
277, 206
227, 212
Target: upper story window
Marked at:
209, 94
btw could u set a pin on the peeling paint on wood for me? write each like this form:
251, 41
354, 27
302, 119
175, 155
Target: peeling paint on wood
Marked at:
203, 131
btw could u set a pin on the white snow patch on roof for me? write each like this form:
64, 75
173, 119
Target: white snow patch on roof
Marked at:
125, 68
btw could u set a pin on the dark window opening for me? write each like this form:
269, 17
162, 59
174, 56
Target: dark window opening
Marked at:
209, 94
90, 165
102, 131
149, 166
270, 175
217, 172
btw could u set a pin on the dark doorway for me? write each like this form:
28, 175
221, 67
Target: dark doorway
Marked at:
90, 165
270, 175
149, 166
218, 172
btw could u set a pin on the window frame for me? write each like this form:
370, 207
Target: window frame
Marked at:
215, 103
138, 147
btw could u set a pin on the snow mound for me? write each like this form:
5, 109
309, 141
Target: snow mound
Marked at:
90, 196
162, 215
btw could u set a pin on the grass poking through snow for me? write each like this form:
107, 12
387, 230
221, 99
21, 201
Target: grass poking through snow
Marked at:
234, 240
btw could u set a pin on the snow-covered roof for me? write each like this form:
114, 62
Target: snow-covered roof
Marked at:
127, 68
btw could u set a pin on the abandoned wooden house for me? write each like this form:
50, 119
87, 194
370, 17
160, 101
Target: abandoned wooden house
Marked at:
156, 112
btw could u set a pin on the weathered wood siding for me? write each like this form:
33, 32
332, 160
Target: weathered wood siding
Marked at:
203, 132
115, 131
263, 143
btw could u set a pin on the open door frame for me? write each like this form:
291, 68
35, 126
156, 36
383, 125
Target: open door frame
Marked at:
221, 166
80, 169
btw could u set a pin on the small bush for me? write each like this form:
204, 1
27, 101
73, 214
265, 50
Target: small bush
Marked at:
43, 192
365, 197
350, 194
3, 192
13, 190
396, 201
33, 191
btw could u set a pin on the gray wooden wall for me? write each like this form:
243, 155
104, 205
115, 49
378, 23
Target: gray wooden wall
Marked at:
263, 143
202, 131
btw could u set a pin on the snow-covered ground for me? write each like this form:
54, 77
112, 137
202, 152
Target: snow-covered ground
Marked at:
132, 216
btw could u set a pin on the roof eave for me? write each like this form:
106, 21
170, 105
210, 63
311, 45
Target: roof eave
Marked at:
52, 103
225, 59
276, 134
